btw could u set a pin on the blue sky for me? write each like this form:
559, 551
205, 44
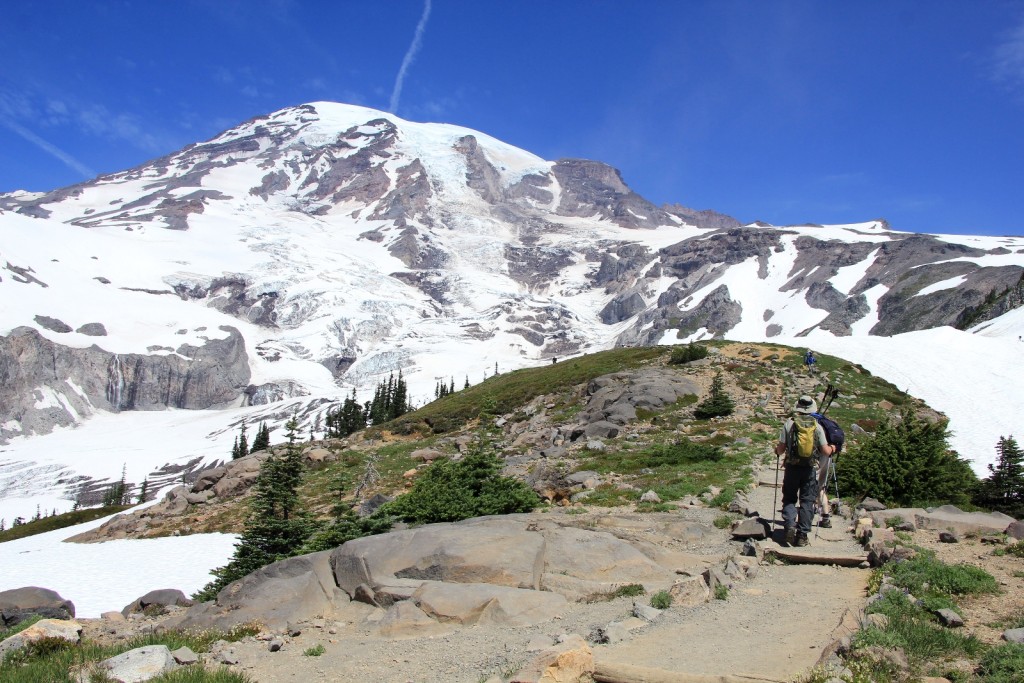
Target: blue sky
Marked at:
787, 112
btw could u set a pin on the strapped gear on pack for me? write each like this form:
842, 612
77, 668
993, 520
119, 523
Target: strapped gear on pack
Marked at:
800, 441
833, 432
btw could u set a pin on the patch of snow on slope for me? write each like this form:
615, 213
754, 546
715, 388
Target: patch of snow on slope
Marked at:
99, 577
847, 277
944, 284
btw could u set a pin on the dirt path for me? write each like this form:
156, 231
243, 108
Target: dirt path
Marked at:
774, 625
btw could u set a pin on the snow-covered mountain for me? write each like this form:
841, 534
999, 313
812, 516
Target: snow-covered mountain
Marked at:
302, 254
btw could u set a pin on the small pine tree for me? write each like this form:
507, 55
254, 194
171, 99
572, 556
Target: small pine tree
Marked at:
466, 385
262, 440
717, 403
274, 528
1003, 489
3, 524
39, 514
143, 491
243, 442
235, 455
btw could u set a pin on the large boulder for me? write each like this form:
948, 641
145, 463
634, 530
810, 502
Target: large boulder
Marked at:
140, 664
19, 604
291, 590
946, 518
162, 597
60, 629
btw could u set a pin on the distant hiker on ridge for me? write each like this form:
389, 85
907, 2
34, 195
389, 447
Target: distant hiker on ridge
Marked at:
810, 361
803, 441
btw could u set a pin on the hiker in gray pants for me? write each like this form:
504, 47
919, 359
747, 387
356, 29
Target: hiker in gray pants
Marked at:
800, 483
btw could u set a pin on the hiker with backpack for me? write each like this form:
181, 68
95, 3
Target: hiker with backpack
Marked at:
803, 440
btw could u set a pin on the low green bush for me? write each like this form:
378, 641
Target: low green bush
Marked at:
1002, 664
661, 600
448, 491
685, 354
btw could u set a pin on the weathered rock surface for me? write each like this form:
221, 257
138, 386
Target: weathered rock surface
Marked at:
18, 604
90, 378
163, 597
140, 664
61, 629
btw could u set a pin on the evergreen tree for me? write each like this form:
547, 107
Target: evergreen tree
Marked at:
262, 440
143, 491
717, 403
235, 455
907, 463
466, 385
345, 524
39, 514
274, 528
118, 493
1003, 489
243, 442
3, 524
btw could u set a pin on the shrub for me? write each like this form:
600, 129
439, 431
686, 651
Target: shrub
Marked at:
316, 651
661, 600
448, 491
721, 592
723, 521
907, 463
924, 576
685, 354
1016, 549
630, 590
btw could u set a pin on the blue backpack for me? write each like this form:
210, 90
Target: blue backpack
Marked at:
833, 432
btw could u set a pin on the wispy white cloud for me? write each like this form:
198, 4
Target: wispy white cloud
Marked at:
50, 148
410, 55
1008, 58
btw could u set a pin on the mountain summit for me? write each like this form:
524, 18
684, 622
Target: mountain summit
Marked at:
324, 246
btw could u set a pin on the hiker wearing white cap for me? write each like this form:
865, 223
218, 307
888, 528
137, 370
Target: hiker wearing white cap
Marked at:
803, 441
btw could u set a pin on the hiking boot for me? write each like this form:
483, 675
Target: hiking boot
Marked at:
790, 536
826, 522
801, 540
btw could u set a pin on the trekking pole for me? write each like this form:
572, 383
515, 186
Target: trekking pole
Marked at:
775, 502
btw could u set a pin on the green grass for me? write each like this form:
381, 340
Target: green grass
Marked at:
721, 592
507, 392
55, 661
315, 651
925, 576
723, 521
1002, 664
67, 519
1016, 549
630, 590
917, 631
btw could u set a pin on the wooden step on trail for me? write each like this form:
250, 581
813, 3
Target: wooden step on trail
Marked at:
816, 555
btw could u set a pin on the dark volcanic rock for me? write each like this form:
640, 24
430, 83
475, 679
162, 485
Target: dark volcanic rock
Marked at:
589, 186
702, 219
19, 604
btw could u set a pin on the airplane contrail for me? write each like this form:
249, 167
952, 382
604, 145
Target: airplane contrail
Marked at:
68, 160
410, 55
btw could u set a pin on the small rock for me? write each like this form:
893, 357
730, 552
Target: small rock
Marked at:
275, 645
1014, 635
646, 612
949, 618
871, 505
948, 537
752, 548
1016, 530
228, 656
184, 656
650, 497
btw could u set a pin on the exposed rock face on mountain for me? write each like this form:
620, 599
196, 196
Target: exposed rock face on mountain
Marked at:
48, 385
343, 244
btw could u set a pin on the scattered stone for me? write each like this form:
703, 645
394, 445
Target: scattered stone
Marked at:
871, 505
751, 548
948, 537
227, 656
570, 660
163, 597
650, 497
1016, 530
905, 526
691, 591
275, 645
112, 616
751, 528
1014, 635
715, 577
185, 656
993, 540
949, 618
140, 664
645, 612
595, 445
